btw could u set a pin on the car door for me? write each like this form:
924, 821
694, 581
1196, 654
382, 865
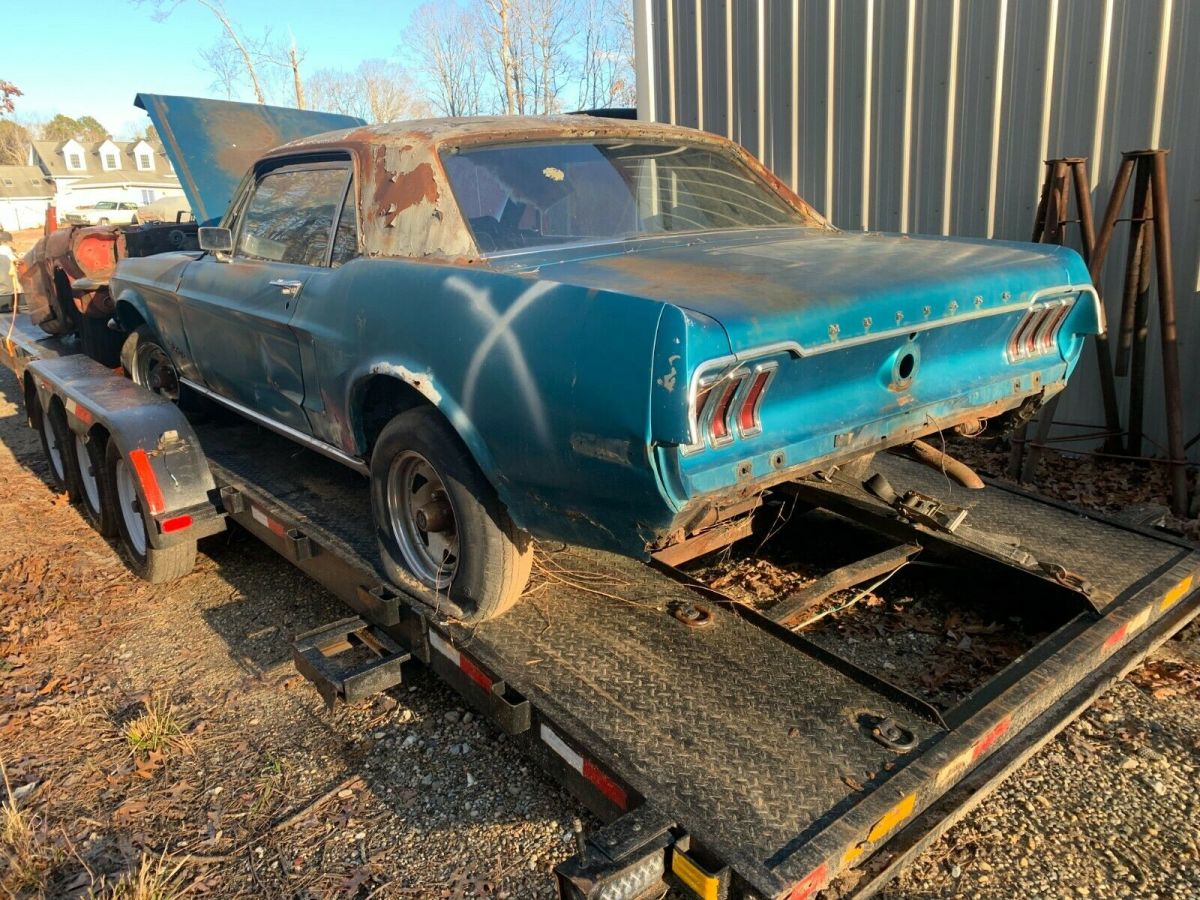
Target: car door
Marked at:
237, 308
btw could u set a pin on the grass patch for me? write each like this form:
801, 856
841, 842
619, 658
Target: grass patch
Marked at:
154, 879
157, 730
22, 851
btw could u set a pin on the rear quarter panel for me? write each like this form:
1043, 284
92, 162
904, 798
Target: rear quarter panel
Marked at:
548, 384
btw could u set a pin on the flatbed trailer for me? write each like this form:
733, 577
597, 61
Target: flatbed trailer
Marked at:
727, 754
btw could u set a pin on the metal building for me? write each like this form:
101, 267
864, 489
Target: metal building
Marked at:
933, 116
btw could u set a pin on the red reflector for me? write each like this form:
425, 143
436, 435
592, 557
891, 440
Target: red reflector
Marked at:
718, 427
1116, 637
748, 414
178, 523
145, 473
473, 672
604, 784
812, 882
991, 737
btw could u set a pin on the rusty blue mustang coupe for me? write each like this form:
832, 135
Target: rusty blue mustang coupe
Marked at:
611, 333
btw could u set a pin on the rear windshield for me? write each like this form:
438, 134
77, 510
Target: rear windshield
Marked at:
541, 195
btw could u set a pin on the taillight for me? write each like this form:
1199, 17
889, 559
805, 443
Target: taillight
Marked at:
729, 402
717, 419
1037, 332
749, 418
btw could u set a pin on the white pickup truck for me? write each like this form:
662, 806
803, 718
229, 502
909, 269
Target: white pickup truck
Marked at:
103, 212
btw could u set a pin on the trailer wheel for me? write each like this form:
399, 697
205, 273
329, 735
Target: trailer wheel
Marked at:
439, 520
87, 454
153, 564
52, 429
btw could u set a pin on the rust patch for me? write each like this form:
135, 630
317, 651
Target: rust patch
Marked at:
397, 191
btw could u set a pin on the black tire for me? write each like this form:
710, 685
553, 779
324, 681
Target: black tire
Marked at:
492, 557
86, 453
141, 345
146, 561
148, 363
52, 429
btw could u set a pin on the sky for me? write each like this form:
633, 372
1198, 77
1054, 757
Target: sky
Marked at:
116, 50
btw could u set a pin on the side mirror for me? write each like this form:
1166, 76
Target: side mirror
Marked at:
215, 240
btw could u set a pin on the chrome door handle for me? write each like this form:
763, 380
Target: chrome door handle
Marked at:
287, 288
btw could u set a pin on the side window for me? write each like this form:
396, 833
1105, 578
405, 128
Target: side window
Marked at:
345, 239
290, 216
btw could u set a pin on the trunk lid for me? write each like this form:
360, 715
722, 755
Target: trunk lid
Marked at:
821, 289
212, 143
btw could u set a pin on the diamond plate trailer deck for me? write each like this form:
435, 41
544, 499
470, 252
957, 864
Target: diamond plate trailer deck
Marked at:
733, 755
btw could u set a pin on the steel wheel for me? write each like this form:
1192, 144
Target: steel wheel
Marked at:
422, 519
130, 507
88, 477
156, 371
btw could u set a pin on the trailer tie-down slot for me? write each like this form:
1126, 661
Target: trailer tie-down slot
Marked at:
375, 665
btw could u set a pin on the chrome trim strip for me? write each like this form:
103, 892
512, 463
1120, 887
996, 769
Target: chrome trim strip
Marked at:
798, 350
327, 450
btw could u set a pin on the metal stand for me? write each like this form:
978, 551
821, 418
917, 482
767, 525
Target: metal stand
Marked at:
1150, 205
1049, 227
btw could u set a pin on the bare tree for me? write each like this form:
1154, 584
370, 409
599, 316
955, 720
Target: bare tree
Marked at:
606, 72
225, 63
283, 58
379, 90
500, 26
547, 34
164, 8
446, 44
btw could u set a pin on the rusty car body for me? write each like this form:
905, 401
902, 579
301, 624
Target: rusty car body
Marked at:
623, 392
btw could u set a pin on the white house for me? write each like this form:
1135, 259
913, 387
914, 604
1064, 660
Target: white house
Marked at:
84, 172
24, 195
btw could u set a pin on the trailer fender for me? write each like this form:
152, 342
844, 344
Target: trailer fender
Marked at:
178, 495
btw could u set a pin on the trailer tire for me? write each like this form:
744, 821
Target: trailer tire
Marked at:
87, 454
52, 429
153, 564
418, 459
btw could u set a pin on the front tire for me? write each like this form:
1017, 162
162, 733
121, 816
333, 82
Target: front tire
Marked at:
438, 520
154, 564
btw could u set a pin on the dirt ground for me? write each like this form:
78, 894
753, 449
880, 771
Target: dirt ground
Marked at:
157, 742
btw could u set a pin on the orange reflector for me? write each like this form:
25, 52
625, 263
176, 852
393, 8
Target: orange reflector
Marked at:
1177, 593
145, 473
701, 883
178, 523
893, 817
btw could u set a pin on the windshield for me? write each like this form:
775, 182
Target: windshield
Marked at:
542, 195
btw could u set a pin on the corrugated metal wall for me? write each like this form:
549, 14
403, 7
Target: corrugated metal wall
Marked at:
933, 116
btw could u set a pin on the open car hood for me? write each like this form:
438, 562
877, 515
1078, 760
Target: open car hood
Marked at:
212, 143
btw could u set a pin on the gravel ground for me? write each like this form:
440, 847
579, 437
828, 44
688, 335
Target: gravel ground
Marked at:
255, 790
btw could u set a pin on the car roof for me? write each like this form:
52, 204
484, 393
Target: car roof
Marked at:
406, 207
